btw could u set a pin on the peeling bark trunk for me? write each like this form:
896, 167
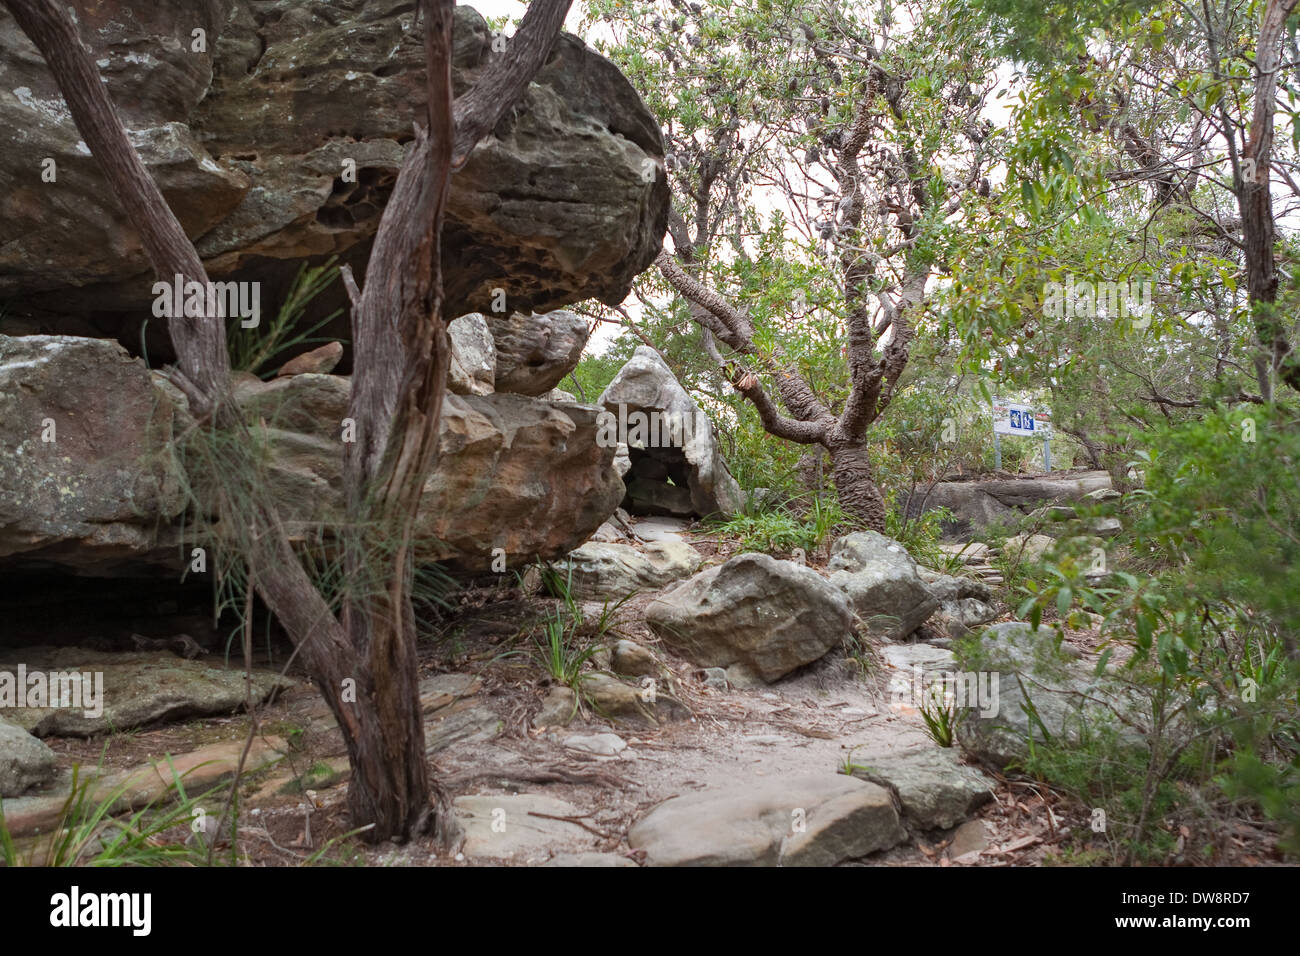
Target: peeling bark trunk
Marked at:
855, 481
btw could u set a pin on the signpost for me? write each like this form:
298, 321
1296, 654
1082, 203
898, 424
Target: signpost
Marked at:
1012, 418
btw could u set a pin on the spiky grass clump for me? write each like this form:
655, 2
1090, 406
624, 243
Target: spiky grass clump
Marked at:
91, 832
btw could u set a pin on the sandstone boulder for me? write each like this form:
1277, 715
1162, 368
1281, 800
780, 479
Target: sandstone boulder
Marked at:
84, 475
473, 368
514, 473
675, 464
280, 142
25, 762
935, 789
534, 352
1042, 692
964, 602
1028, 548
882, 583
132, 690
616, 570
758, 616
808, 820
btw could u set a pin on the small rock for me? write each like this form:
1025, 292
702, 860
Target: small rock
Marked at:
963, 602
632, 659
662, 529
1028, 549
473, 368
1105, 526
716, 677
970, 552
617, 700
1103, 494
559, 707
968, 841
921, 654
609, 533
507, 825
617, 570
319, 361
25, 762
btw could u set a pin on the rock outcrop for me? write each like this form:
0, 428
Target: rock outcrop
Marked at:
975, 504
102, 497
675, 466
277, 140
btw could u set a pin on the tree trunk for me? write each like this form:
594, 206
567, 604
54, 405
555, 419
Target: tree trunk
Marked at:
1255, 200
855, 481
390, 782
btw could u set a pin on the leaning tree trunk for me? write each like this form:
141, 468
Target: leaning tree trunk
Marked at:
855, 481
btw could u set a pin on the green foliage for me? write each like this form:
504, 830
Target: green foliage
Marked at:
568, 638
783, 530
559, 650
756, 104
594, 373
1049, 31
1274, 787
91, 830
1105, 772
1210, 627
942, 717
920, 535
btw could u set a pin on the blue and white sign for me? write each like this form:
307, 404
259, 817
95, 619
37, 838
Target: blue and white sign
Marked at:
1010, 418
